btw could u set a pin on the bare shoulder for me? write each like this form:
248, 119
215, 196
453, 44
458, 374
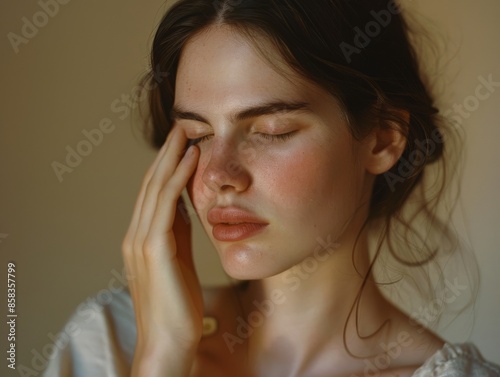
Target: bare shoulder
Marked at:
401, 349
413, 344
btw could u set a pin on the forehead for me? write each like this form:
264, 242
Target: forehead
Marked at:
222, 67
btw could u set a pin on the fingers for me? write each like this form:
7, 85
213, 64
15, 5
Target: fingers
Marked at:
165, 290
132, 266
142, 192
160, 171
160, 228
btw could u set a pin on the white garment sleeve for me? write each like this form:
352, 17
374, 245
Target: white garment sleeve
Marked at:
97, 341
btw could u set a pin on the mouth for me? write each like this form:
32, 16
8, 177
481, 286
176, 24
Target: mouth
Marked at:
236, 232
230, 224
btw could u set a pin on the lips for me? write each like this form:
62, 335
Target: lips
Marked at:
234, 224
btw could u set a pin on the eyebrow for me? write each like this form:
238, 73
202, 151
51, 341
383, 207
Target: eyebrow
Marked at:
270, 108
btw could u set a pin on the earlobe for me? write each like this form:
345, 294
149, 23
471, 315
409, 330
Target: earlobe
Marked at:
385, 147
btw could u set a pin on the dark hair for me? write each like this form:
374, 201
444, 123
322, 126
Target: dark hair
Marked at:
319, 39
358, 50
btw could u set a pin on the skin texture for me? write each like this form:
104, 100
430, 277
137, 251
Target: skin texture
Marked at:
313, 184
307, 185
164, 287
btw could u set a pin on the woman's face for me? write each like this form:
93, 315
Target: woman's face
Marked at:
278, 168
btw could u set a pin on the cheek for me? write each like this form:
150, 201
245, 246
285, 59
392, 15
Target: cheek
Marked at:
304, 174
291, 176
313, 189
312, 183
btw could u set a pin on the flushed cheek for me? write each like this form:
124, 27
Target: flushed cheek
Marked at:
291, 181
307, 191
302, 189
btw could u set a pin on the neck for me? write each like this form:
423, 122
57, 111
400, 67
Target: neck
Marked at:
294, 317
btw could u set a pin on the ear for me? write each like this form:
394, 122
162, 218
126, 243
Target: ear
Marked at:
385, 145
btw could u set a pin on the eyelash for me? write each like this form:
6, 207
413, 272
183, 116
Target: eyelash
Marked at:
278, 137
198, 140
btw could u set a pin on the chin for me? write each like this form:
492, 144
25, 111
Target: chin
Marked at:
243, 262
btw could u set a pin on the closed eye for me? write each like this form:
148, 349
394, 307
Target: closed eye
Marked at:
199, 140
276, 137
270, 137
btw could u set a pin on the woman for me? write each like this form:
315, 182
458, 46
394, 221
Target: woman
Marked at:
300, 129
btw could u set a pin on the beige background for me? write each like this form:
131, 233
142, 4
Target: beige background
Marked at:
65, 236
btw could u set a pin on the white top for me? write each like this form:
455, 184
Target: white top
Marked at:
99, 341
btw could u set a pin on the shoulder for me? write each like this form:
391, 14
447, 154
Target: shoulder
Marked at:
110, 314
434, 357
98, 339
458, 360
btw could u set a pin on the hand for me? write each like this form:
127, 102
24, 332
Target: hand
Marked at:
165, 289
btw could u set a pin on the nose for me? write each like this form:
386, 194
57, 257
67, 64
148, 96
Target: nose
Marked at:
226, 169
